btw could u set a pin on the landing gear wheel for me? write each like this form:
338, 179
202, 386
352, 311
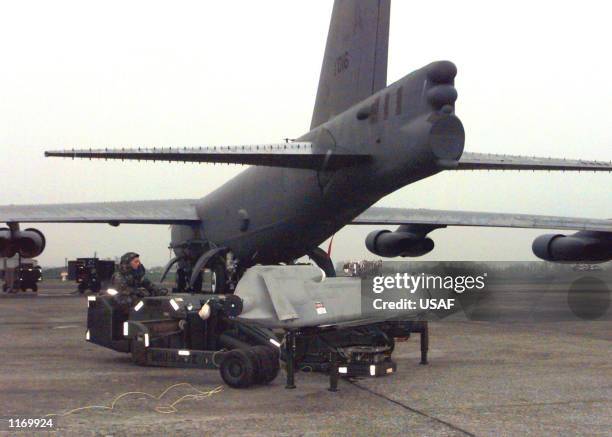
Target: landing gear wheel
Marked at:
269, 365
197, 286
181, 281
237, 369
218, 278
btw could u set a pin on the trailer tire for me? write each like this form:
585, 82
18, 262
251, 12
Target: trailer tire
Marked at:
257, 364
269, 365
238, 369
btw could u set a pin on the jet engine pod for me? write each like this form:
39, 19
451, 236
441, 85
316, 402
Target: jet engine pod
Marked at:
399, 243
584, 246
29, 243
7, 248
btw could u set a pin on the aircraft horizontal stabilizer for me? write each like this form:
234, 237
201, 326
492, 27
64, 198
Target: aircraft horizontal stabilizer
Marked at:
290, 155
485, 161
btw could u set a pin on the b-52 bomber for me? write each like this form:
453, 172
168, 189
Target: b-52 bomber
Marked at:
367, 139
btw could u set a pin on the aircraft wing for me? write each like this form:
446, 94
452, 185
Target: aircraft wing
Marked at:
486, 161
290, 155
442, 218
177, 211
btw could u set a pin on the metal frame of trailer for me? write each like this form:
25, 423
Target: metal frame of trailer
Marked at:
169, 332
202, 331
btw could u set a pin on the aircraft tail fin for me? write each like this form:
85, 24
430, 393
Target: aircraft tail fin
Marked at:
355, 61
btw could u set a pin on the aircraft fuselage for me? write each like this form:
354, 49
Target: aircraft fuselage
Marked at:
269, 215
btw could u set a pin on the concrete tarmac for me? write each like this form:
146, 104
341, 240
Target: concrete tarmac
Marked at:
484, 379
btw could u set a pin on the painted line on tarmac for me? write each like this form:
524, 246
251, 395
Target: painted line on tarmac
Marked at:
413, 410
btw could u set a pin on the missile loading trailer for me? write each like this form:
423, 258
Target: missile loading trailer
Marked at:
186, 331
212, 331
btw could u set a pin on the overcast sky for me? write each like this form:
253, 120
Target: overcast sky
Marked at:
534, 79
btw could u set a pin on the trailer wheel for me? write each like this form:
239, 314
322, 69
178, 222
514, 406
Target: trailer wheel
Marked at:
237, 369
268, 361
258, 363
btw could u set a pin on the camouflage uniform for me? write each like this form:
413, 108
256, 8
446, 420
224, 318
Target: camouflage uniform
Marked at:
131, 284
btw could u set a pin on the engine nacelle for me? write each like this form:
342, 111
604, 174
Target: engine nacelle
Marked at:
584, 246
7, 249
399, 243
28, 243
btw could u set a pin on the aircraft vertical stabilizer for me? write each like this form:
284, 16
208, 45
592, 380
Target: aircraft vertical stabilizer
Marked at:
355, 61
